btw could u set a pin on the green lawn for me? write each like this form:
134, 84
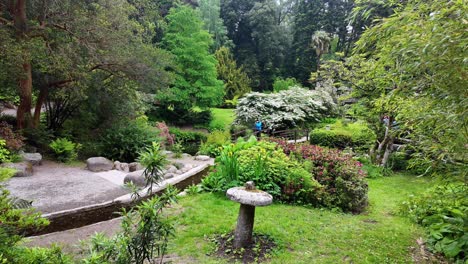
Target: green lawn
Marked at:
308, 235
222, 117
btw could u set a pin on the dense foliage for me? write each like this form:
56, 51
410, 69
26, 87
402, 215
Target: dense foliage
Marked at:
190, 140
123, 142
283, 84
413, 73
66, 47
4, 152
270, 169
443, 210
211, 14
299, 174
14, 141
214, 143
285, 109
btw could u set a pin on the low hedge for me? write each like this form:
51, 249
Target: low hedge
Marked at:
190, 140
341, 135
185, 136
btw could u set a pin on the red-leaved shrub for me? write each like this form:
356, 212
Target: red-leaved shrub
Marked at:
341, 176
14, 141
168, 138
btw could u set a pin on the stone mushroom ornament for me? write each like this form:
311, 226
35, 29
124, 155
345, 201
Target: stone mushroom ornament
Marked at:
248, 197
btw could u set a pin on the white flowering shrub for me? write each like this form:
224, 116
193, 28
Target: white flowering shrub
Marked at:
285, 109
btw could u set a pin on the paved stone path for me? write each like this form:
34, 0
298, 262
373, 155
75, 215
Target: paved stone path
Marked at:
55, 187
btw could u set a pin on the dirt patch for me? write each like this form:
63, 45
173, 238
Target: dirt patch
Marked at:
259, 251
370, 221
422, 255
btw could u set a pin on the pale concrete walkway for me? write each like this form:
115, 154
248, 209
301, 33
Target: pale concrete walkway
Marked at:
56, 187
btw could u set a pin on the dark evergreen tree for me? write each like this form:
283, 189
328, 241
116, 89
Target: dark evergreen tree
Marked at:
210, 12
308, 18
259, 32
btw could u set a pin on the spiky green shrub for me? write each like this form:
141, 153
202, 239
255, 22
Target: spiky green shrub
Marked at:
144, 237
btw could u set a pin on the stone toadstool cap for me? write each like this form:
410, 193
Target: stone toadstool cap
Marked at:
249, 195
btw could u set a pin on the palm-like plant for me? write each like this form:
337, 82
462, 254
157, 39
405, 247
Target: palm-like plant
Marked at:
321, 43
153, 160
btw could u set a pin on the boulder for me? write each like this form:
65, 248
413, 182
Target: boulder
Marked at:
121, 166
97, 164
137, 177
23, 169
168, 153
169, 176
172, 169
124, 167
134, 166
186, 155
34, 158
178, 172
178, 165
202, 158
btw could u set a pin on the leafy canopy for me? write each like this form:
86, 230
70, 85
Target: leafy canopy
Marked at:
415, 69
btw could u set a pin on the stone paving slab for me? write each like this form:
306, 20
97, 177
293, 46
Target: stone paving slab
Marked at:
114, 176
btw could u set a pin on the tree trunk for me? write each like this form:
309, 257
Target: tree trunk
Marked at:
385, 147
388, 152
43, 93
24, 118
23, 114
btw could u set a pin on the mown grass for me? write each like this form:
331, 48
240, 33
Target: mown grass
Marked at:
308, 235
222, 118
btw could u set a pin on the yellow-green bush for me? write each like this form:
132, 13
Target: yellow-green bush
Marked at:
268, 167
214, 143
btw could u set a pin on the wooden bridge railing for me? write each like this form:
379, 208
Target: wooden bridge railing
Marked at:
289, 134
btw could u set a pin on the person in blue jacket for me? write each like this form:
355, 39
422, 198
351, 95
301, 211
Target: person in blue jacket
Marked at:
258, 128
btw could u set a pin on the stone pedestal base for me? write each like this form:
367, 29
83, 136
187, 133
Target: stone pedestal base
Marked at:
245, 222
